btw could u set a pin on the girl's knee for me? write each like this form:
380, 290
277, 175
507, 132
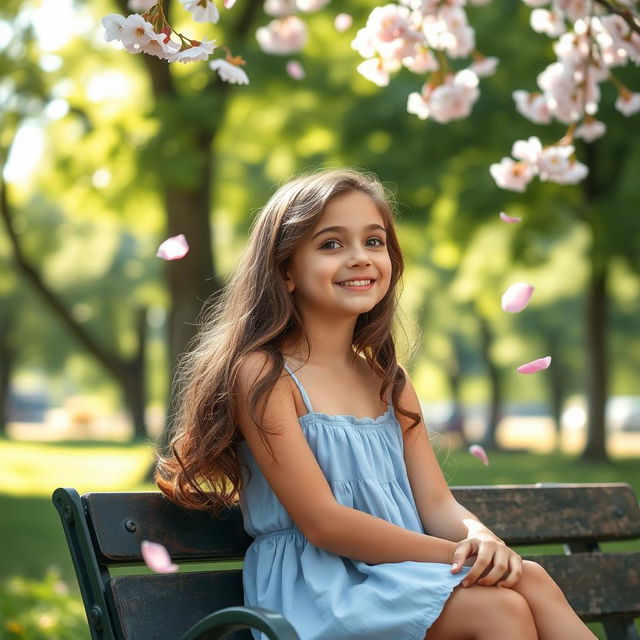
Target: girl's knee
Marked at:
536, 575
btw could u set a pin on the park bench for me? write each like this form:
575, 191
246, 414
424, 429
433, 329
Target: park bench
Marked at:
105, 530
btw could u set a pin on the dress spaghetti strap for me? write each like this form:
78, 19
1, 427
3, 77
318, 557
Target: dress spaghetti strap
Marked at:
303, 393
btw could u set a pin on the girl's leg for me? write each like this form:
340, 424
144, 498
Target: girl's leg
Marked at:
553, 616
484, 613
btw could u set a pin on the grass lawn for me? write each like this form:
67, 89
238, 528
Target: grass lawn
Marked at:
31, 535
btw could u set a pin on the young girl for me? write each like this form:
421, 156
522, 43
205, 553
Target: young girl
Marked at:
294, 401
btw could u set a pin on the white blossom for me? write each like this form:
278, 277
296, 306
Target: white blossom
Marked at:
228, 72
511, 175
113, 26
202, 10
549, 22
136, 30
484, 67
375, 71
200, 51
591, 130
532, 106
628, 103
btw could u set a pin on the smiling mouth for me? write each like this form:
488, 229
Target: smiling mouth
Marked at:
356, 283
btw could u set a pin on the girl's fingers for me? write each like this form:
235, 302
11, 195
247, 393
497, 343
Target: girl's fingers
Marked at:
463, 550
499, 568
482, 562
515, 572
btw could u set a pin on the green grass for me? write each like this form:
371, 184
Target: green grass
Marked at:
33, 544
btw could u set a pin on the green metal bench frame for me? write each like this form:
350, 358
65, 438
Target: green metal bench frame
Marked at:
104, 530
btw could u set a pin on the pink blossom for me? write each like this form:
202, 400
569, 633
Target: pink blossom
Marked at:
388, 23
228, 4
454, 98
343, 22
512, 175
478, 452
554, 161
517, 297
591, 129
173, 248
532, 106
157, 558
527, 150
535, 365
484, 67
509, 219
282, 36
421, 61
576, 172
549, 22
295, 70
573, 9
279, 8
628, 103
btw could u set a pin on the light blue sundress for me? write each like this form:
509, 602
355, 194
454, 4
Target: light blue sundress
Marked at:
329, 597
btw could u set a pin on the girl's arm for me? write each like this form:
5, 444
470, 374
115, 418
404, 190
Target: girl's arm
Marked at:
443, 517
297, 480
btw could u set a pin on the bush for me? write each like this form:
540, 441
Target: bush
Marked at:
40, 610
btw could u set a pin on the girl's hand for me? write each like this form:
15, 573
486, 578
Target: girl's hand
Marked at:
492, 561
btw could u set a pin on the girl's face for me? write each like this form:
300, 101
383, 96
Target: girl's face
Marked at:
343, 267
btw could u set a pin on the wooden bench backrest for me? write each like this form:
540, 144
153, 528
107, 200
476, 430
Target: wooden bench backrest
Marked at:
164, 606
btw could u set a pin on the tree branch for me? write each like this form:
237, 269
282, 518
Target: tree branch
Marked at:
112, 363
625, 14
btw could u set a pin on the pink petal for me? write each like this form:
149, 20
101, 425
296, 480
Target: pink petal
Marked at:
342, 22
509, 219
228, 3
477, 451
535, 365
173, 248
157, 558
295, 70
517, 297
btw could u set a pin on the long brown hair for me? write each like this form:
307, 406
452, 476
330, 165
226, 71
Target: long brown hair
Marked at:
255, 312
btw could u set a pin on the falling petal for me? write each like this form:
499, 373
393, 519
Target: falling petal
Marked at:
509, 219
157, 558
173, 248
517, 297
477, 451
295, 70
342, 22
228, 3
535, 365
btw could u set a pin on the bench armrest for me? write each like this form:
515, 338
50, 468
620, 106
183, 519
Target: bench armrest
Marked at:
217, 625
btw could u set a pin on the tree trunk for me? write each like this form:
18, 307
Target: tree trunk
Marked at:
596, 365
495, 386
7, 358
557, 387
453, 369
596, 318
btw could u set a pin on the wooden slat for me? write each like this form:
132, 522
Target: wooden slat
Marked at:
597, 584
537, 514
163, 607
187, 535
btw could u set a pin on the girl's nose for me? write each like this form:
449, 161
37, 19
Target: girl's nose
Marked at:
358, 257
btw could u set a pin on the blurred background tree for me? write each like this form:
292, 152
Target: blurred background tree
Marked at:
134, 150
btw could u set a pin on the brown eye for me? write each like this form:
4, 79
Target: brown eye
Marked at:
329, 242
379, 241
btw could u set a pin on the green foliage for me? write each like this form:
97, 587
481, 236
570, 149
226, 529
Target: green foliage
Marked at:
40, 609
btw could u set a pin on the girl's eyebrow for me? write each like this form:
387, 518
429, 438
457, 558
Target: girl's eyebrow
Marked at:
369, 227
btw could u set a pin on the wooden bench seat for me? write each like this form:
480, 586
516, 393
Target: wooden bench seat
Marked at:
105, 530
